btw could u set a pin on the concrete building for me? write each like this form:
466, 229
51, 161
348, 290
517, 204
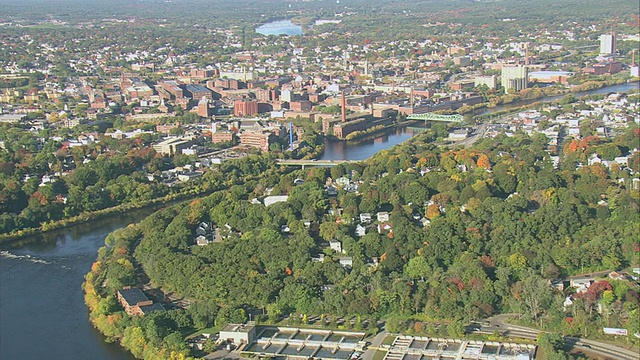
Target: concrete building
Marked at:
171, 146
238, 333
514, 77
607, 44
490, 81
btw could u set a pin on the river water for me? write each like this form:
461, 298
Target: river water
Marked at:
364, 149
42, 313
607, 89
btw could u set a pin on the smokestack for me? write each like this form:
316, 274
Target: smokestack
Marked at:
291, 136
343, 104
411, 100
526, 54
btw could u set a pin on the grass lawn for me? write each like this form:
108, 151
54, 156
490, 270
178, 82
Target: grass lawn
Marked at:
388, 340
379, 355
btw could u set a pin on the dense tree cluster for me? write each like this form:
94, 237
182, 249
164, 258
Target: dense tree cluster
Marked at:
42, 181
504, 222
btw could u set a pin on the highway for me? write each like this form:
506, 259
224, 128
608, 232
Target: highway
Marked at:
498, 323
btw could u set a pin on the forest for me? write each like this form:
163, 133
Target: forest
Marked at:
104, 174
503, 223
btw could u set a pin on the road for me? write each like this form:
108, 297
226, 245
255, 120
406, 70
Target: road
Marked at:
479, 132
375, 345
498, 323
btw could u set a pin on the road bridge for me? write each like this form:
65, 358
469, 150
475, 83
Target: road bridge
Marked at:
313, 162
455, 118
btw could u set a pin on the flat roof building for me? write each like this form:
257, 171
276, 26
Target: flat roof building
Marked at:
238, 333
607, 44
135, 302
514, 77
171, 146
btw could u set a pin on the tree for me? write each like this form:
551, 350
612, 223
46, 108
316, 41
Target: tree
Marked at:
483, 162
536, 294
551, 346
417, 268
328, 230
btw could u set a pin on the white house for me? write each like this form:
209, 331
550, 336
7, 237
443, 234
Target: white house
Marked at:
346, 261
342, 181
581, 284
269, 200
382, 216
365, 218
360, 230
201, 240
336, 246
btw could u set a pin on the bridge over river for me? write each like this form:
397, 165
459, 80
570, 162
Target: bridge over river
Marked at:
455, 118
320, 163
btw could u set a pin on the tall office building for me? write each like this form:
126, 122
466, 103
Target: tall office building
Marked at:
607, 44
514, 77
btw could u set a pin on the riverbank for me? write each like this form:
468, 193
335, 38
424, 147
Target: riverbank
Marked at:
97, 215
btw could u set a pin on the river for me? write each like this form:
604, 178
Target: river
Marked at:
607, 89
364, 149
42, 313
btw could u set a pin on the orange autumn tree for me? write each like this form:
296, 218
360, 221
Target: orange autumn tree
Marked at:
432, 211
483, 162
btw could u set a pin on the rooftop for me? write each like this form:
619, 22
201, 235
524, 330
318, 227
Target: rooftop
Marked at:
133, 296
244, 328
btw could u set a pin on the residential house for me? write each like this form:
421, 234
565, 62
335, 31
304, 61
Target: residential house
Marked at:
382, 216
365, 218
336, 246
275, 199
342, 181
346, 261
581, 284
557, 284
202, 240
360, 230
384, 228
616, 276
332, 190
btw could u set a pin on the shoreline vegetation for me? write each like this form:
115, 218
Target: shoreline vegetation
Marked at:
97, 215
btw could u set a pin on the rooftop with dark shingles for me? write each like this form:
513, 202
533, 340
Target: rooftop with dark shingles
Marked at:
133, 296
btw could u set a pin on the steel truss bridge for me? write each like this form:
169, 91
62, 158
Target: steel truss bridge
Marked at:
456, 118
